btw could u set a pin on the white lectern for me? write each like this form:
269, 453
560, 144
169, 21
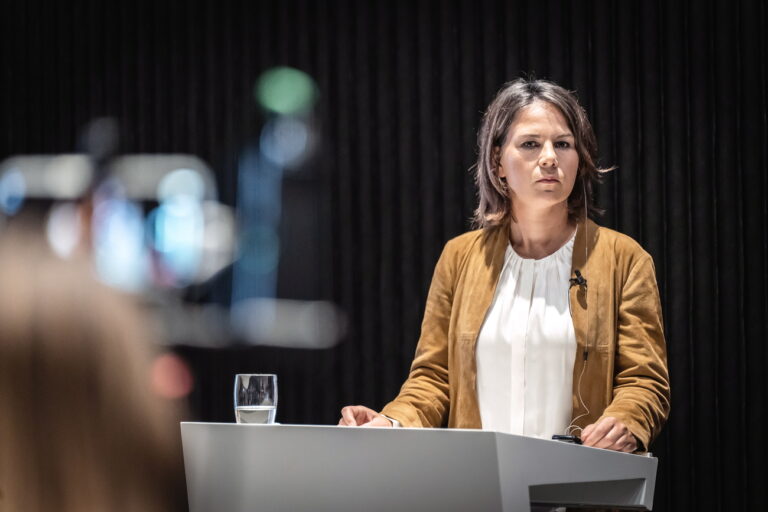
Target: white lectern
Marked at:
239, 468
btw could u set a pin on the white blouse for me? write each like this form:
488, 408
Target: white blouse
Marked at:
526, 348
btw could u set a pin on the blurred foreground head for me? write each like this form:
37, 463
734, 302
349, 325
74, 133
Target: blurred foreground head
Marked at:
80, 428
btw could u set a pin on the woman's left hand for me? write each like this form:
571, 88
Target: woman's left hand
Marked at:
609, 433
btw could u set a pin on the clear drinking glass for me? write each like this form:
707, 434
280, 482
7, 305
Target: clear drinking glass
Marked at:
255, 398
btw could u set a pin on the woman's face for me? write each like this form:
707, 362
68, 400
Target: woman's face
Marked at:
539, 158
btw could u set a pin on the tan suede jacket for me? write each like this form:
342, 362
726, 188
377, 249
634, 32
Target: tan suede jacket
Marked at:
616, 316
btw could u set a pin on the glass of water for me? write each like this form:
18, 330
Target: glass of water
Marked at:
255, 398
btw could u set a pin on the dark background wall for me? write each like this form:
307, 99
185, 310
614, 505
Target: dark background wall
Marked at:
677, 92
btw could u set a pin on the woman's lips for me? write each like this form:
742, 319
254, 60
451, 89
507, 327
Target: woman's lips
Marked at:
548, 180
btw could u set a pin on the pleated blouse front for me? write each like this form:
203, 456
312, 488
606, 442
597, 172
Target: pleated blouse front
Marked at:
526, 348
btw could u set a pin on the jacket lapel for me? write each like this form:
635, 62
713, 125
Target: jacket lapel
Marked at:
486, 277
481, 285
583, 301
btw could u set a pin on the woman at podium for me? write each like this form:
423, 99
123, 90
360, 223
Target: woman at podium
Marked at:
539, 322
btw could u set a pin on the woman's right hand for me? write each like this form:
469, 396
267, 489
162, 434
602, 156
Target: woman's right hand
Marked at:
361, 416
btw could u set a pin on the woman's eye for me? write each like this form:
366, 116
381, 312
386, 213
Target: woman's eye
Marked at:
562, 144
530, 144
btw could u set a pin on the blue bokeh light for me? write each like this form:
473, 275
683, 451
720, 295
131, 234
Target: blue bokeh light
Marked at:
177, 228
119, 250
181, 182
285, 140
13, 189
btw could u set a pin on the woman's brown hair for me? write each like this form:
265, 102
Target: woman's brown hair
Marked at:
80, 428
494, 205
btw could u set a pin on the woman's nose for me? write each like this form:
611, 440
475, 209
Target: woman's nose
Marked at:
548, 157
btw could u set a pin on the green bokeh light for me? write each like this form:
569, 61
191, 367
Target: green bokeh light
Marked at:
285, 90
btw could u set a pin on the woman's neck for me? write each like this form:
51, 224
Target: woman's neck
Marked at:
538, 233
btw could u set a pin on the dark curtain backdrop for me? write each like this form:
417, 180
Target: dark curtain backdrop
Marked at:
676, 92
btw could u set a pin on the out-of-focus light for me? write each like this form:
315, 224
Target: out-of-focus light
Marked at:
285, 90
261, 250
63, 228
259, 196
67, 176
107, 190
144, 177
121, 258
177, 228
285, 140
218, 239
181, 182
12, 191
288, 323
57, 178
171, 377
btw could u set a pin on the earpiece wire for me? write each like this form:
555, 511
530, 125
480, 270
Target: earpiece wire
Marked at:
573, 427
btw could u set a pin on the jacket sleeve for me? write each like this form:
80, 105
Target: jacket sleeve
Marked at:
641, 392
424, 398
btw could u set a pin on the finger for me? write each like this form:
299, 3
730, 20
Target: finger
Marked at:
600, 429
378, 421
631, 443
364, 414
598, 439
348, 416
625, 441
587, 431
625, 446
610, 438
619, 445
595, 433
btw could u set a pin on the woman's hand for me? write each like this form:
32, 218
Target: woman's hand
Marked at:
360, 416
609, 433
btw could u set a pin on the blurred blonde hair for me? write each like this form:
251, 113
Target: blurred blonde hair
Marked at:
80, 429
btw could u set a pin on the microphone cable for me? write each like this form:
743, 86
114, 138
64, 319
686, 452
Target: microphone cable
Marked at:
580, 280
